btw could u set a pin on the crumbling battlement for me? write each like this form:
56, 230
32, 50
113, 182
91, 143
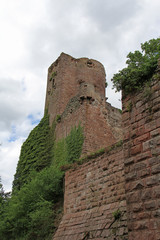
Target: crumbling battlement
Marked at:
76, 93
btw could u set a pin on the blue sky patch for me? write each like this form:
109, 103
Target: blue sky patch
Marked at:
34, 121
13, 136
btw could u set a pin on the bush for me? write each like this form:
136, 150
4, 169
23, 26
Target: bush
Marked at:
140, 67
30, 213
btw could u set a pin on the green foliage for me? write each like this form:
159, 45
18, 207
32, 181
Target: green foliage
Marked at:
83, 159
147, 93
4, 197
120, 110
60, 152
68, 150
114, 146
1, 193
117, 214
35, 152
156, 76
140, 67
58, 118
92, 155
54, 74
74, 143
30, 213
129, 106
36, 204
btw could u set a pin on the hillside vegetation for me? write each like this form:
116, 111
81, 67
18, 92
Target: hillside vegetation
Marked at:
36, 204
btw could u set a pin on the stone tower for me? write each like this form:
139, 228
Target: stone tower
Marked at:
76, 94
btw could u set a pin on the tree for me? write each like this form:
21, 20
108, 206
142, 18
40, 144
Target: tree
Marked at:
1, 192
141, 66
3, 196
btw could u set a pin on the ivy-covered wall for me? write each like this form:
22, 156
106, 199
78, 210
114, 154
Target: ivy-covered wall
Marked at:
35, 152
35, 208
68, 150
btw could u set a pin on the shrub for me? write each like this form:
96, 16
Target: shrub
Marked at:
141, 66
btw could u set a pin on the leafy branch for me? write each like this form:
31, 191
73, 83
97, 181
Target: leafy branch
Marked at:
141, 66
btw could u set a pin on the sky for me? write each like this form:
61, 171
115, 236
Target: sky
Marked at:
33, 34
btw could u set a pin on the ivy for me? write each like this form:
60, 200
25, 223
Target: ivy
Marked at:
60, 153
74, 143
68, 150
35, 152
36, 204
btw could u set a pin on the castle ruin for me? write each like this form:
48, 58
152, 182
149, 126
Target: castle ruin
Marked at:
76, 94
115, 195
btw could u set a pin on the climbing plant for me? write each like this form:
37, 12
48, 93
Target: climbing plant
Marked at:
35, 152
68, 150
33, 210
74, 143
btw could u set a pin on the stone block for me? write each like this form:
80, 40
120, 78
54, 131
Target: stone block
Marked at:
156, 192
152, 143
133, 197
150, 205
155, 169
141, 138
153, 180
150, 126
136, 149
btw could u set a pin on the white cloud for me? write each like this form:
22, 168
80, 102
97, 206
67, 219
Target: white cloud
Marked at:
8, 156
35, 32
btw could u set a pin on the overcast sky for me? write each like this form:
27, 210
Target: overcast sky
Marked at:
33, 33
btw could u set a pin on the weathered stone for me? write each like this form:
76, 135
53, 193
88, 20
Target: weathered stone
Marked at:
78, 96
126, 178
150, 205
143, 181
83, 200
136, 149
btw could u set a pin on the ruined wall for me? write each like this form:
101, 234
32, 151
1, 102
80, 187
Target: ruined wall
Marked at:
93, 192
114, 120
141, 124
90, 113
65, 78
76, 93
125, 179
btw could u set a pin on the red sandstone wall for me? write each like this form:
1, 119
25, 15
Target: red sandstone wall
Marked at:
70, 74
77, 93
98, 134
93, 192
114, 119
115, 180
142, 163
